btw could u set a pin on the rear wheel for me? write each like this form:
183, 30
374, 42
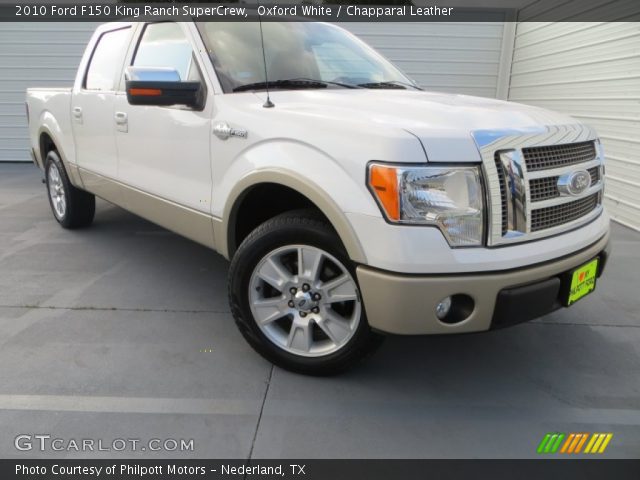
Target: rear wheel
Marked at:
295, 297
71, 207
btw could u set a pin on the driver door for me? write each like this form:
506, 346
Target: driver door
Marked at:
164, 152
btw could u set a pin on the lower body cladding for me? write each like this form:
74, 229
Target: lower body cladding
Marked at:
407, 304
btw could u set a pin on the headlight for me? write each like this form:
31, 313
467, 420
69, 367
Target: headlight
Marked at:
449, 197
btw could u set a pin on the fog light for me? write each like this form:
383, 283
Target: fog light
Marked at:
442, 309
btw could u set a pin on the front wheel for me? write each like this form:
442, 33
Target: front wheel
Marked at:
294, 295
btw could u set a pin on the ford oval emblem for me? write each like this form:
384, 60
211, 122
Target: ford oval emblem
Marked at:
574, 183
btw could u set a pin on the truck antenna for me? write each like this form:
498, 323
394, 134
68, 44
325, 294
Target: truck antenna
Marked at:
268, 103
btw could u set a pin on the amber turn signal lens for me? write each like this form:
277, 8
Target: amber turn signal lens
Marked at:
145, 92
384, 182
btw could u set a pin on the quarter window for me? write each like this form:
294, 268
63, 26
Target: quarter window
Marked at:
106, 60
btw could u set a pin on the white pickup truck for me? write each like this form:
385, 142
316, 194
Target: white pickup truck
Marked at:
350, 202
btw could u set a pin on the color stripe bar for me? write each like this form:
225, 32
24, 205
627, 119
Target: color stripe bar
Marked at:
573, 445
556, 445
596, 445
605, 443
581, 442
543, 443
594, 437
550, 443
565, 447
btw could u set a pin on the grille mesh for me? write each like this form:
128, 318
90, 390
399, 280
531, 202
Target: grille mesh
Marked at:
549, 217
544, 188
595, 175
542, 158
503, 193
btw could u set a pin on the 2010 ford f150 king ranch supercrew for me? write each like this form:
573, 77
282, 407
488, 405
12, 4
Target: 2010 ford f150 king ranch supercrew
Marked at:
351, 202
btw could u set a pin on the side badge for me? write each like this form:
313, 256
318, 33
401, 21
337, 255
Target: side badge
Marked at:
223, 131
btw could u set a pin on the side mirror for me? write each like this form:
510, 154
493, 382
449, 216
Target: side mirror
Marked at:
161, 87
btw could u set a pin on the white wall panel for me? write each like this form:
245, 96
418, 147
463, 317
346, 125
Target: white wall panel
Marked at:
450, 57
592, 72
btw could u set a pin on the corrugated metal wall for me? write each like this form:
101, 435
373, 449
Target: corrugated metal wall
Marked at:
590, 71
33, 55
450, 57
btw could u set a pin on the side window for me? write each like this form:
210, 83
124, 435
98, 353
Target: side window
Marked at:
106, 60
165, 45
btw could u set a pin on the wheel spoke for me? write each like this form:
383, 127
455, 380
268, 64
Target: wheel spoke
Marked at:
275, 274
269, 309
309, 263
300, 336
337, 329
340, 289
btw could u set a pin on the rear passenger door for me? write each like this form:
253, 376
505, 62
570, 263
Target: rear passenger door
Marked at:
93, 101
164, 151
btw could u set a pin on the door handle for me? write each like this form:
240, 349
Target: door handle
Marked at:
77, 114
121, 118
122, 122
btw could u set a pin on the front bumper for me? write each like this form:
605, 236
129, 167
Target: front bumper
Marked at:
406, 304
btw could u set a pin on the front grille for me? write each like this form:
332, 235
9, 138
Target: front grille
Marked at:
543, 158
549, 217
523, 172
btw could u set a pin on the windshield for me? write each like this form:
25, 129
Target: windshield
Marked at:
293, 50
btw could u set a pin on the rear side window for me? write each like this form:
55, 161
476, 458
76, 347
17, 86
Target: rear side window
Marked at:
165, 45
106, 60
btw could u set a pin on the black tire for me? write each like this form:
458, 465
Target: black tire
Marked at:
80, 206
294, 228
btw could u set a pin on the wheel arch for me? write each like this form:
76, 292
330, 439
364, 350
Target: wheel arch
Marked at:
307, 194
47, 141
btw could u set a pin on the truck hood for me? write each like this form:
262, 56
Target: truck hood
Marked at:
444, 123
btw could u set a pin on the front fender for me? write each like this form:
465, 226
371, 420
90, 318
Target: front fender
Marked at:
304, 169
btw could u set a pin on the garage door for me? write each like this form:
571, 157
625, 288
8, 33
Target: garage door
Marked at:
590, 71
463, 57
33, 55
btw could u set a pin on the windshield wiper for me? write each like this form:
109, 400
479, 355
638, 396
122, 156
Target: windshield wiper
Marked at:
292, 83
394, 84
339, 84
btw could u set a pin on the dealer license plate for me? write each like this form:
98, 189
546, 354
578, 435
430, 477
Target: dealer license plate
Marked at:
583, 281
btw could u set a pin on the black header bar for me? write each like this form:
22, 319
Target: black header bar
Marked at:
329, 11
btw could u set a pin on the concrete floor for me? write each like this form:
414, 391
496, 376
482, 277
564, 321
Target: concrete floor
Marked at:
103, 335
